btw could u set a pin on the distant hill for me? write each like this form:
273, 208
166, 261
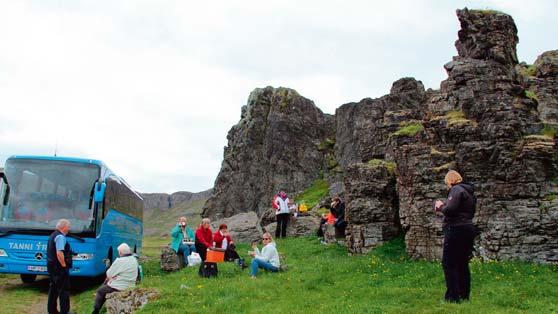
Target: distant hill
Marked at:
162, 210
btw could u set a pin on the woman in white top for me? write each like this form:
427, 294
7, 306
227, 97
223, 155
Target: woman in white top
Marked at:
282, 213
267, 259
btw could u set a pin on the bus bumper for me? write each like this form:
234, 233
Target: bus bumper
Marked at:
79, 268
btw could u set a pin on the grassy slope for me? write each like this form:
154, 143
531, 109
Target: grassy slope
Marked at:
325, 279
159, 221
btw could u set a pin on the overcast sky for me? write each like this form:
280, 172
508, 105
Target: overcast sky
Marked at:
152, 87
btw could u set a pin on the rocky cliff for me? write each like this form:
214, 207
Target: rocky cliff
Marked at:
276, 145
493, 120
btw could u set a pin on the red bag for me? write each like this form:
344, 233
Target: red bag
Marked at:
274, 202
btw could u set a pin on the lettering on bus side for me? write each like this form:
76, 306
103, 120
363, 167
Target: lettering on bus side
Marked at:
20, 246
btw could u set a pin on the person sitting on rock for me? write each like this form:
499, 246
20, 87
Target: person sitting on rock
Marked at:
121, 275
224, 241
204, 238
339, 206
183, 239
267, 259
329, 219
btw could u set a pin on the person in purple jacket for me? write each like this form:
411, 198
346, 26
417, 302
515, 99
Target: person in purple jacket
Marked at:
459, 234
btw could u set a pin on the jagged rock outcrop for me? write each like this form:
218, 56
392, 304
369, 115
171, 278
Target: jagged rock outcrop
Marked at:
363, 128
541, 81
371, 205
481, 124
493, 120
276, 145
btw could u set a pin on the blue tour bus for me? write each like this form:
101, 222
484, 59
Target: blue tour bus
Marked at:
37, 191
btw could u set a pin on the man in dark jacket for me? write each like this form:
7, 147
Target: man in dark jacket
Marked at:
459, 235
59, 263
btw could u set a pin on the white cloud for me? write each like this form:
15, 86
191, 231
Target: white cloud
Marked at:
152, 88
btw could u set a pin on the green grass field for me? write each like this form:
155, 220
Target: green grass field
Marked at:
324, 279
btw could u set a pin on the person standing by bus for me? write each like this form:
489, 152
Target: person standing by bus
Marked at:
59, 263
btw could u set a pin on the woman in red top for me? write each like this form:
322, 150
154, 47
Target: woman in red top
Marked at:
204, 238
223, 240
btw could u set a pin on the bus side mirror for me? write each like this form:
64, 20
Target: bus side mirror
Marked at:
4, 189
99, 194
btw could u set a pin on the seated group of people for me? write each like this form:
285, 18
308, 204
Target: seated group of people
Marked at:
185, 241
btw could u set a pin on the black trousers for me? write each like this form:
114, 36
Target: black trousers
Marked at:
201, 249
320, 232
282, 222
230, 253
59, 289
458, 249
101, 296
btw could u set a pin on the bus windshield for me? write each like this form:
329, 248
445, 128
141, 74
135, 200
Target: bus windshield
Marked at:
43, 191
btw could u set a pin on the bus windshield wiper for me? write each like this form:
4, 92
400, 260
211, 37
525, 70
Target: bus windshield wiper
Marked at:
22, 231
76, 237
7, 233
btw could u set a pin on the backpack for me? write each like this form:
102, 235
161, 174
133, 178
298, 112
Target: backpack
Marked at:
274, 202
208, 270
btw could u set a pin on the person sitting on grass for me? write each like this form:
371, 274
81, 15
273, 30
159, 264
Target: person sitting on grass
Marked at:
121, 275
183, 239
267, 259
224, 241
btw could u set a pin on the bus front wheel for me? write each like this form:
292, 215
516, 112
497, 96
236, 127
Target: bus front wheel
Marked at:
108, 260
28, 278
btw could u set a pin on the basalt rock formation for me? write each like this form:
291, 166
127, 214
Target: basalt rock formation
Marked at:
274, 146
493, 120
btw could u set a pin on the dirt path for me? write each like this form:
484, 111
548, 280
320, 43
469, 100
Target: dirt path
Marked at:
23, 298
40, 304
18, 297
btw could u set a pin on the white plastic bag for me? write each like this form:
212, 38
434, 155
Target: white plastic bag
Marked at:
194, 259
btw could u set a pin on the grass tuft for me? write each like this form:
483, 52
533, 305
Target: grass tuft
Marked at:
409, 130
315, 193
530, 70
531, 95
550, 130
389, 165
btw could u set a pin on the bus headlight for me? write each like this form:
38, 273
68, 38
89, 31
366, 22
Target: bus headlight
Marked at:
3, 253
82, 257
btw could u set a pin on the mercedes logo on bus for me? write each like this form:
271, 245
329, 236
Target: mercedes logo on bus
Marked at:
39, 256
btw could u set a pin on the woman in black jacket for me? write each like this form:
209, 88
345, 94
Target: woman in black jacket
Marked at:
459, 234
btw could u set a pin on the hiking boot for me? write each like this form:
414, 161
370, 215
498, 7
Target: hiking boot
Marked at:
241, 263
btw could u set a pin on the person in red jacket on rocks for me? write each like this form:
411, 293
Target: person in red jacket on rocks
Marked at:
204, 238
